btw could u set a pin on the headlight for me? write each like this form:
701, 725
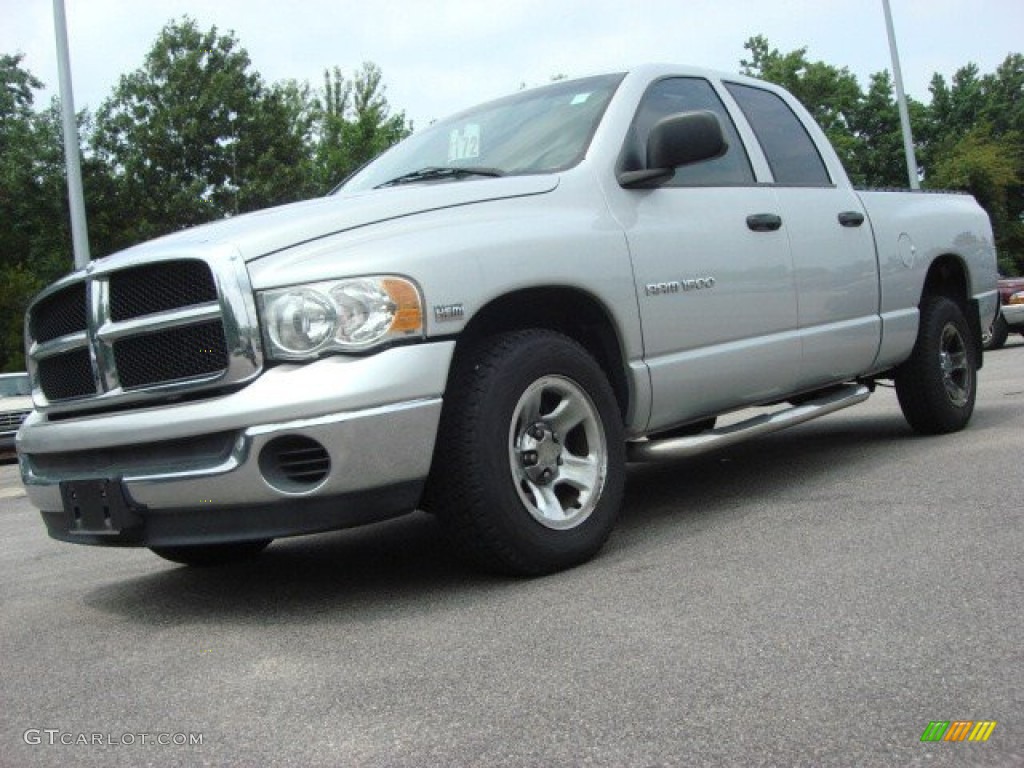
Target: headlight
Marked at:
305, 321
1017, 298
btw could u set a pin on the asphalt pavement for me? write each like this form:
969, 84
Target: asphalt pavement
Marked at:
817, 597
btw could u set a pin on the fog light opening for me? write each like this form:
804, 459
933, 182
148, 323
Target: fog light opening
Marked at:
294, 464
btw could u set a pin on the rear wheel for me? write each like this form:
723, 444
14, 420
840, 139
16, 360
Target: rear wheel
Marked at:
529, 464
213, 554
937, 385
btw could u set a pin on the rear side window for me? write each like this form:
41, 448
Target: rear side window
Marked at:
684, 94
791, 153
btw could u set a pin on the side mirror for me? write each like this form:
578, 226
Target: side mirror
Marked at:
676, 140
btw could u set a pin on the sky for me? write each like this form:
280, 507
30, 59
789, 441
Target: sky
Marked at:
440, 56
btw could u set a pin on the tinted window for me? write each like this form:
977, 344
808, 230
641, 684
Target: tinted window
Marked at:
685, 94
791, 153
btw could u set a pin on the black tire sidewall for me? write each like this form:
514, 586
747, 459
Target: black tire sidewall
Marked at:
919, 381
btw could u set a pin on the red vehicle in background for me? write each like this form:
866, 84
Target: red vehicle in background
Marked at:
1010, 318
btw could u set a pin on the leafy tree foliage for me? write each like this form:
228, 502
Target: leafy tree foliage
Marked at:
194, 135
34, 228
353, 123
976, 143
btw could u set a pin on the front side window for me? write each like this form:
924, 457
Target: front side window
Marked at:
790, 151
686, 94
537, 131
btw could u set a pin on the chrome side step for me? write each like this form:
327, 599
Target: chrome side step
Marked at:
680, 447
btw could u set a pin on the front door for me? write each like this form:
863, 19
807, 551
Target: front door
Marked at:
713, 271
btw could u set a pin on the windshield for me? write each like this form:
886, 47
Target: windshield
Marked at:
12, 386
536, 131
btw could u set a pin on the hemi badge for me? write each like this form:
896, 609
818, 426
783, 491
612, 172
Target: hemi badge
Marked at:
444, 312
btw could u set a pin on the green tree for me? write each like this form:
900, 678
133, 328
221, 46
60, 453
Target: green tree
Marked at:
975, 142
878, 156
34, 226
195, 135
353, 123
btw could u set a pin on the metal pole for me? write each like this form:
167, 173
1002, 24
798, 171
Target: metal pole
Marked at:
901, 100
76, 197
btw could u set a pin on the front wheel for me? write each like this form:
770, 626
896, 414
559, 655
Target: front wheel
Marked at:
937, 385
529, 464
212, 554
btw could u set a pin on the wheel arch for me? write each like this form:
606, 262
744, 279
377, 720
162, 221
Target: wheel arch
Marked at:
569, 310
948, 276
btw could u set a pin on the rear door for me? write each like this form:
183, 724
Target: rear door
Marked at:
833, 248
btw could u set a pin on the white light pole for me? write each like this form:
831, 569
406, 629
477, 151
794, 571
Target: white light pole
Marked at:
901, 100
76, 198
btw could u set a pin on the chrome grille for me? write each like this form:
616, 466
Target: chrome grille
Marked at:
12, 420
141, 329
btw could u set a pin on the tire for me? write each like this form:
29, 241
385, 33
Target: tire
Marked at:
205, 555
995, 337
529, 464
937, 385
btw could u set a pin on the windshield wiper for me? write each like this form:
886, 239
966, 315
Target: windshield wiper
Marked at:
433, 172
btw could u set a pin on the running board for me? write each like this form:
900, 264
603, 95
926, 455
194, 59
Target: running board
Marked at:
713, 439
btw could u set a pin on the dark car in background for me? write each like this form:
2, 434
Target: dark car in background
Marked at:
15, 405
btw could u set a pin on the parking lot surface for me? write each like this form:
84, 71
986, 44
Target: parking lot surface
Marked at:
814, 598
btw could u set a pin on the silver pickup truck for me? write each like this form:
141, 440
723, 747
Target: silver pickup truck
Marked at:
491, 319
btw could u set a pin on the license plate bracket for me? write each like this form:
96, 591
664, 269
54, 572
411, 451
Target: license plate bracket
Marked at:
97, 507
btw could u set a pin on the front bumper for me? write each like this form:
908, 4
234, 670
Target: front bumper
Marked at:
1013, 314
198, 472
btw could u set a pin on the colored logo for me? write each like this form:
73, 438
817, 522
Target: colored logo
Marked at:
958, 730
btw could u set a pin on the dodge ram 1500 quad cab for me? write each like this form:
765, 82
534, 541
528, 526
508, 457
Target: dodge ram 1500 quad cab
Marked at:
491, 319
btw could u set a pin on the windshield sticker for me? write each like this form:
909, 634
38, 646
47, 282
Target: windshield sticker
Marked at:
580, 98
464, 144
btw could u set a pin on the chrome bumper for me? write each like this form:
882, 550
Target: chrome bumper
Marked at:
194, 472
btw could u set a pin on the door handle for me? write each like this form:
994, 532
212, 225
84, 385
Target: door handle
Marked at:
851, 218
764, 222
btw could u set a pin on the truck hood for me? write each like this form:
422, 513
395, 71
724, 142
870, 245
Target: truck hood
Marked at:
264, 232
